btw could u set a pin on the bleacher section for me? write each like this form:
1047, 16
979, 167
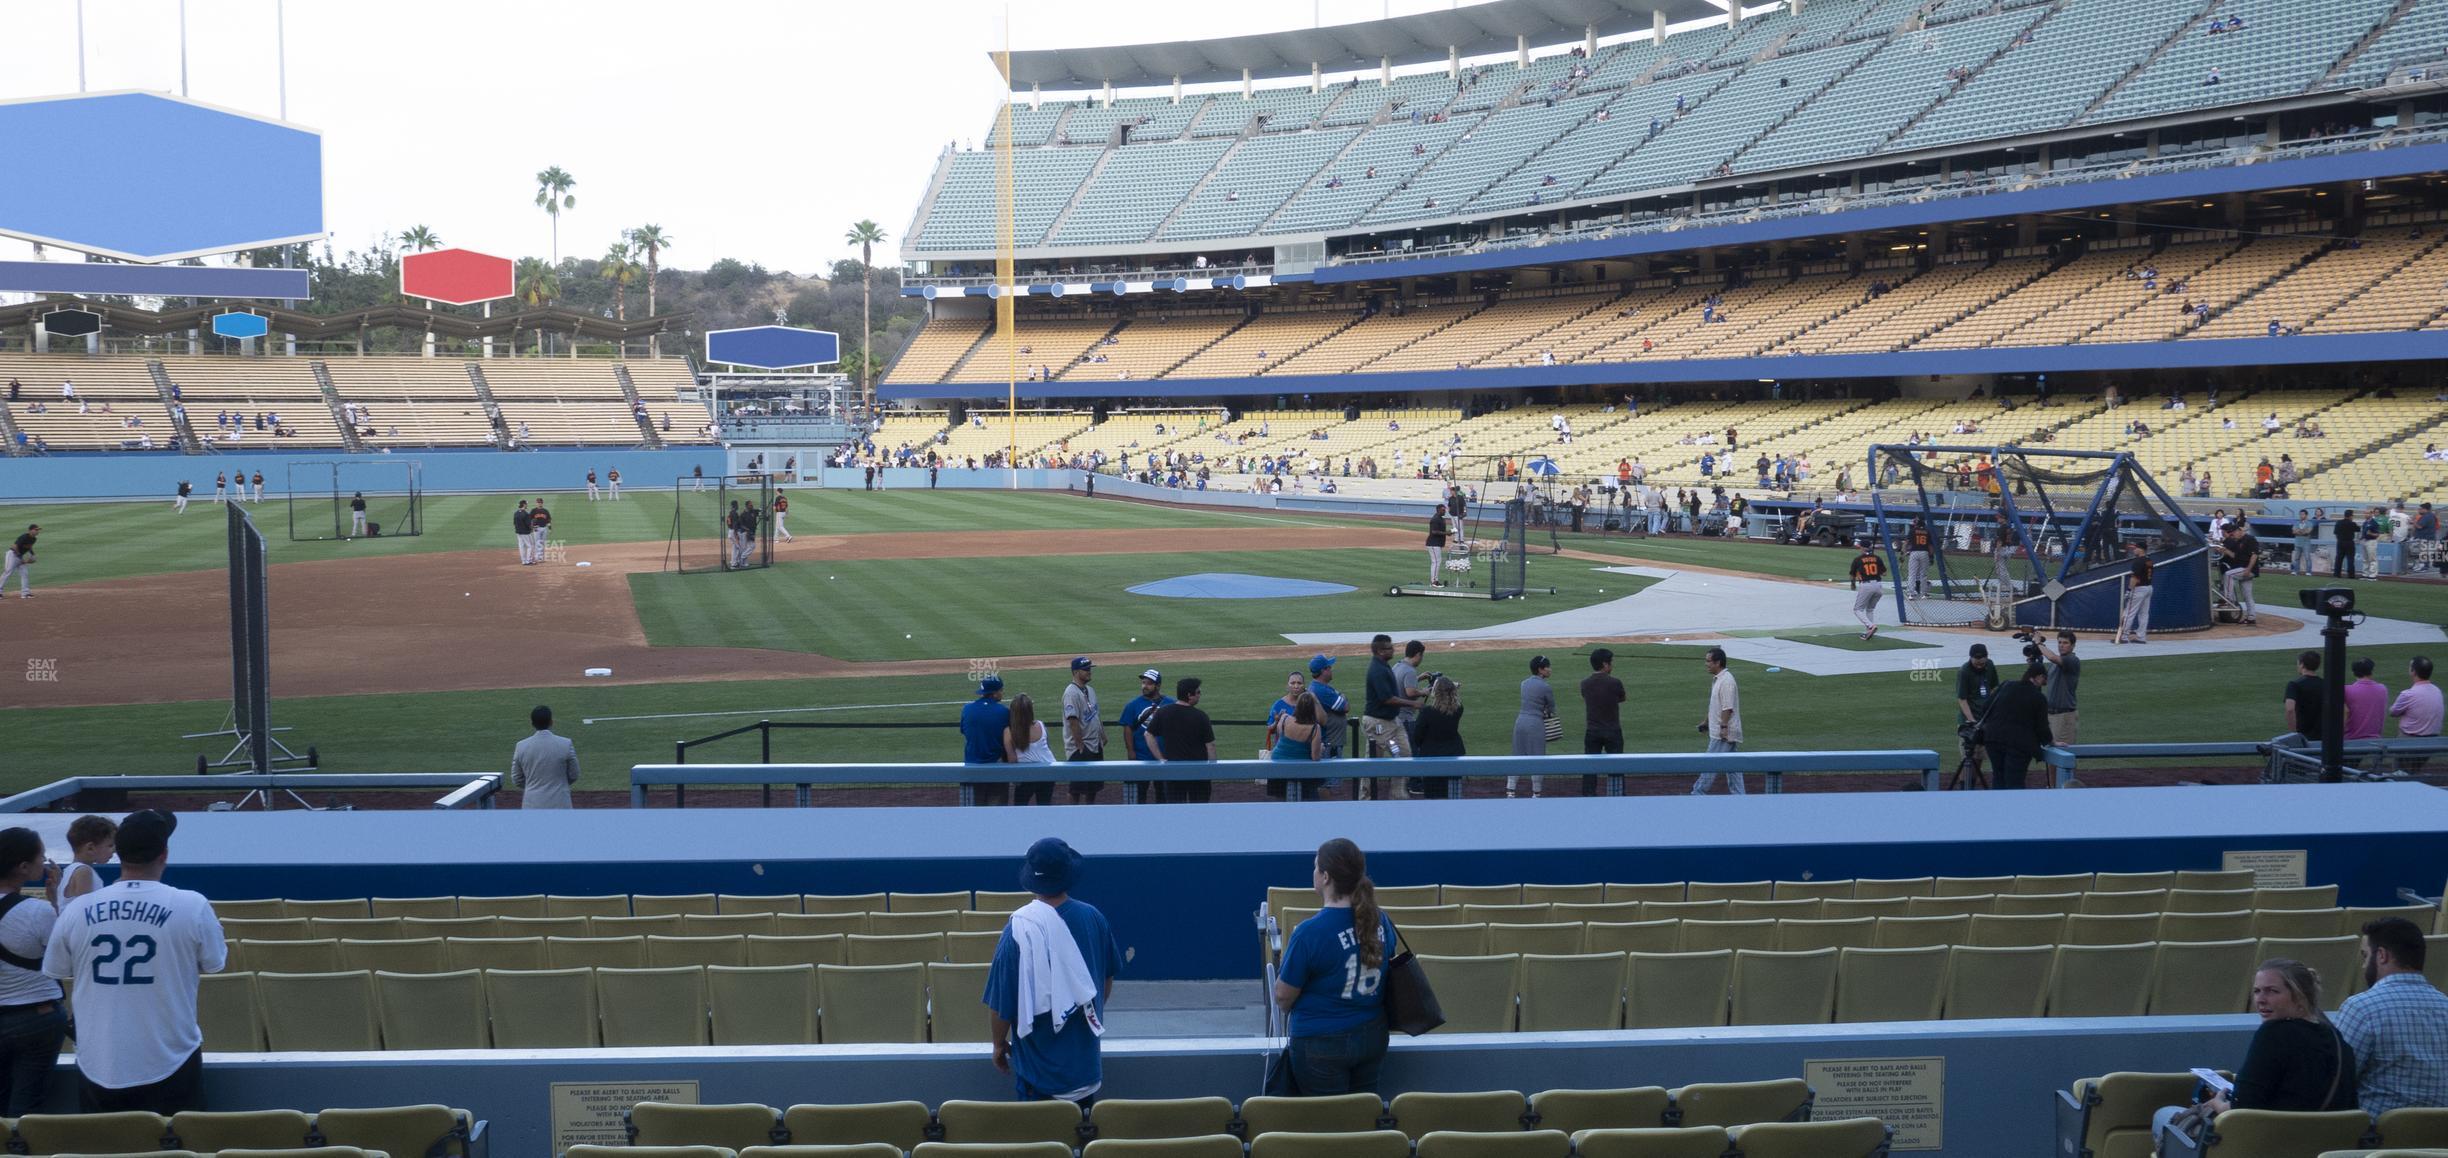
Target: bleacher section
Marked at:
659, 383
1838, 81
285, 386
554, 404
113, 390
414, 401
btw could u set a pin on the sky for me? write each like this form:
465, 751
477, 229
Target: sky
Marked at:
751, 129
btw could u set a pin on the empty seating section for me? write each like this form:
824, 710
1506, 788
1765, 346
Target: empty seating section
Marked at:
993, 432
659, 382
1501, 335
2393, 470
1326, 436
564, 402
937, 347
2273, 55
416, 401
1029, 126
1265, 342
1834, 82
2336, 276
1051, 343
125, 384
1933, 300
899, 428
2206, 444
1148, 348
251, 386
2026, 316
1375, 337
1139, 431
2159, 315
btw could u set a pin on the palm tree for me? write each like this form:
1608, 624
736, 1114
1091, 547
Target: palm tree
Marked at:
420, 238
620, 267
553, 195
538, 285
865, 235
653, 241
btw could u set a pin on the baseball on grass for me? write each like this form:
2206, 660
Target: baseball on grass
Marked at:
905, 635
466, 594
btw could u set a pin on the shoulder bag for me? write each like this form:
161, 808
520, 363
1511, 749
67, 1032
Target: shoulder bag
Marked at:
1410, 1005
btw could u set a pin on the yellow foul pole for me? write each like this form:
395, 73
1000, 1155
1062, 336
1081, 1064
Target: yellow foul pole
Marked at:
1007, 262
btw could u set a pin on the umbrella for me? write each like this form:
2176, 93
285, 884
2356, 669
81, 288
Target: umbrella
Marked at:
1545, 466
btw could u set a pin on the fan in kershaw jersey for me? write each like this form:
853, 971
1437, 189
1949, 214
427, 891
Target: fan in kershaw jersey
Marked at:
133, 952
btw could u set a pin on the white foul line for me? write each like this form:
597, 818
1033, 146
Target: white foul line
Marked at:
772, 711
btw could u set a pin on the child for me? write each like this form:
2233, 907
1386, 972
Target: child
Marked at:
92, 840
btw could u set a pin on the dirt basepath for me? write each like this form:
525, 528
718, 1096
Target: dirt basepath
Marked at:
372, 626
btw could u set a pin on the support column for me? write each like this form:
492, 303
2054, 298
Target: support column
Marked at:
1453, 62
195, 343
1521, 52
42, 337
1036, 97
1853, 251
1109, 94
1317, 77
2128, 222
1176, 90
1245, 84
2027, 231
1657, 26
1385, 72
1589, 41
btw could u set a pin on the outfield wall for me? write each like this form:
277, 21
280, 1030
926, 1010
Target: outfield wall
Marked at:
123, 476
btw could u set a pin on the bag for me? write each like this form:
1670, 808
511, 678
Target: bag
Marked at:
1279, 1083
1410, 1005
1555, 728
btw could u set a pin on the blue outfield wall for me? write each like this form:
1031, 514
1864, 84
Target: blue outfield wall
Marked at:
156, 475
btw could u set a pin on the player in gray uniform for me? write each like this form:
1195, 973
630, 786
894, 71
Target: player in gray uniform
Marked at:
1868, 571
184, 489
357, 514
19, 561
543, 526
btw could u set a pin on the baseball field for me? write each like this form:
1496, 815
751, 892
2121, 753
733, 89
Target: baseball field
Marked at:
425, 654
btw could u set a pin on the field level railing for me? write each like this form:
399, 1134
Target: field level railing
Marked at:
2283, 760
467, 789
1773, 767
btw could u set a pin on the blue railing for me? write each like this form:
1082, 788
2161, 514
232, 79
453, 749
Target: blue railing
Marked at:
468, 789
2064, 759
1773, 767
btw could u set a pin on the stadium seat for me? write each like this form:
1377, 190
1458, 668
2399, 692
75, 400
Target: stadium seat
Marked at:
2181, 900
1510, 914
913, 923
1849, 933
319, 1012
2110, 1116
1971, 886
591, 952
292, 956
1836, 1138
819, 924
1703, 936
852, 903
413, 927
871, 1003
2175, 926
1891, 984
1983, 983
356, 928
2311, 897
726, 925
542, 1008
1294, 915
229, 1012
671, 952
1871, 890
993, 902
1573, 911
1519, 1144
652, 925
2205, 977
1158, 1118
653, 1006
2101, 980
127, 1132
432, 1010
2255, 1133
2060, 883
1996, 932
1673, 990
1663, 936
1589, 894
2125, 929
2219, 879
2425, 1126
541, 926
973, 921
1374, 1144
762, 1005
956, 1010
1685, 910
925, 902
267, 909
284, 1152
495, 952
2337, 961
1814, 890
1957, 905
1579, 991
902, 1125
2057, 905
608, 905
1046, 1121
1476, 993
1205, 1146
434, 1131
345, 907
2299, 922
671, 905
1654, 891
1573, 1111
735, 1126
826, 950
1728, 890
207, 1131
1857, 907
867, 1150
1743, 1103
424, 955
748, 903
1773, 988
914, 949
1553, 938
2114, 904
1331, 1114
1479, 895
584, 1151
1409, 917
2358, 916
1418, 1114
971, 948
1923, 932
521, 906
1786, 910
1653, 1142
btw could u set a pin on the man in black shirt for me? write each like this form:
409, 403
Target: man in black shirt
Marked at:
2243, 555
522, 525
1602, 699
19, 561
2342, 565
1182, 734
2304, 696
542, 521
1867, 571
357, 519
2134, 617
1975, 682
1381, 714
2017, 728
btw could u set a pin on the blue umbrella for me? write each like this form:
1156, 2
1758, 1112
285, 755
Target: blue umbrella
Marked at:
1545, 466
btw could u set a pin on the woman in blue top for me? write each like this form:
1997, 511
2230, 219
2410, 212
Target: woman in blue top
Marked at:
1298, 737
1280, 713
1330, 980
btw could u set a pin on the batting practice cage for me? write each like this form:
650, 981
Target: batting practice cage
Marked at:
1483, 557
1504, 480
322, 494
2019, 536
723, 523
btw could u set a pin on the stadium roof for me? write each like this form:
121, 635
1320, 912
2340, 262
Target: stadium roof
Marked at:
1476, 30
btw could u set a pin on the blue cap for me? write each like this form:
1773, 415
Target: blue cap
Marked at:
1050, 868
1319, 663
990, 685
1080, 663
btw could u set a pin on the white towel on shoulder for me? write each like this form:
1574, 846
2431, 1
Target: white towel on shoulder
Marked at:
1052, 975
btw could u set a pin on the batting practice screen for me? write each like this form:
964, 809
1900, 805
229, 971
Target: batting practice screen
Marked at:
323, 498
721, 524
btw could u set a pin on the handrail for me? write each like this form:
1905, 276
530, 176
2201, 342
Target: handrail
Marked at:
1772, 766
2064, 758
468, 789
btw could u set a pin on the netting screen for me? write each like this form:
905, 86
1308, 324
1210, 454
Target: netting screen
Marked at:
721, 524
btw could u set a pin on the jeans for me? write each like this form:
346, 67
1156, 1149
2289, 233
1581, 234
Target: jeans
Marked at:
29, 1047
1595, 741
1085, 791
1708, 780
1339, 1063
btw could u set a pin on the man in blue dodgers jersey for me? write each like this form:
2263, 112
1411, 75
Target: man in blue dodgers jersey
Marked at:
133, 952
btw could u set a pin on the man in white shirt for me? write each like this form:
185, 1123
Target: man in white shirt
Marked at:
1083, 728
133, 952
1724, 723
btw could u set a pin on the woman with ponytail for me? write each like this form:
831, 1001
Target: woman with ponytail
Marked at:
1331, 981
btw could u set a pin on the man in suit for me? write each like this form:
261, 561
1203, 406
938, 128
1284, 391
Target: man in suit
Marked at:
2017, 727
544, 765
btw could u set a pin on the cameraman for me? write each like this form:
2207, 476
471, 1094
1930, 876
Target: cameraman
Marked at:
2065, 671
2017, 728
1975, 682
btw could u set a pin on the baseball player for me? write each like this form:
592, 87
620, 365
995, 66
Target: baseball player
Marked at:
1917, 560
522, 527
184, 489
258, 480
1867, 570
357, 515
781, 513
747, 533
699, 472
221, 487
613, 477
731, 533
543, 526
19, 561
592, 494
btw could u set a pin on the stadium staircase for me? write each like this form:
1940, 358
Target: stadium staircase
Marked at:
985, 338
2355, 51
484, 394
2031, 29
1196, 187
1475, 311
188, 442
1303, 187
1600, 302
1977, 306
2381, 280
2150, 300
9, 434
1185, 359
1328, 336
331, 402
637, 406
2177, 37
2245, 299
1054, 228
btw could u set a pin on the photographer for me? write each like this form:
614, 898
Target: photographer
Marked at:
2065, 671
1975, 682
2016, 728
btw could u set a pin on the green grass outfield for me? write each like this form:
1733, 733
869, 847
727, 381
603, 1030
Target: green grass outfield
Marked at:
2168, 698
87, 541
890, 609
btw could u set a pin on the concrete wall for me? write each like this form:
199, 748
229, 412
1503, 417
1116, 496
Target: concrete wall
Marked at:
446, 471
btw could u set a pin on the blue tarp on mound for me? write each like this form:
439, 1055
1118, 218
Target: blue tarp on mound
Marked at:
1232, 585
